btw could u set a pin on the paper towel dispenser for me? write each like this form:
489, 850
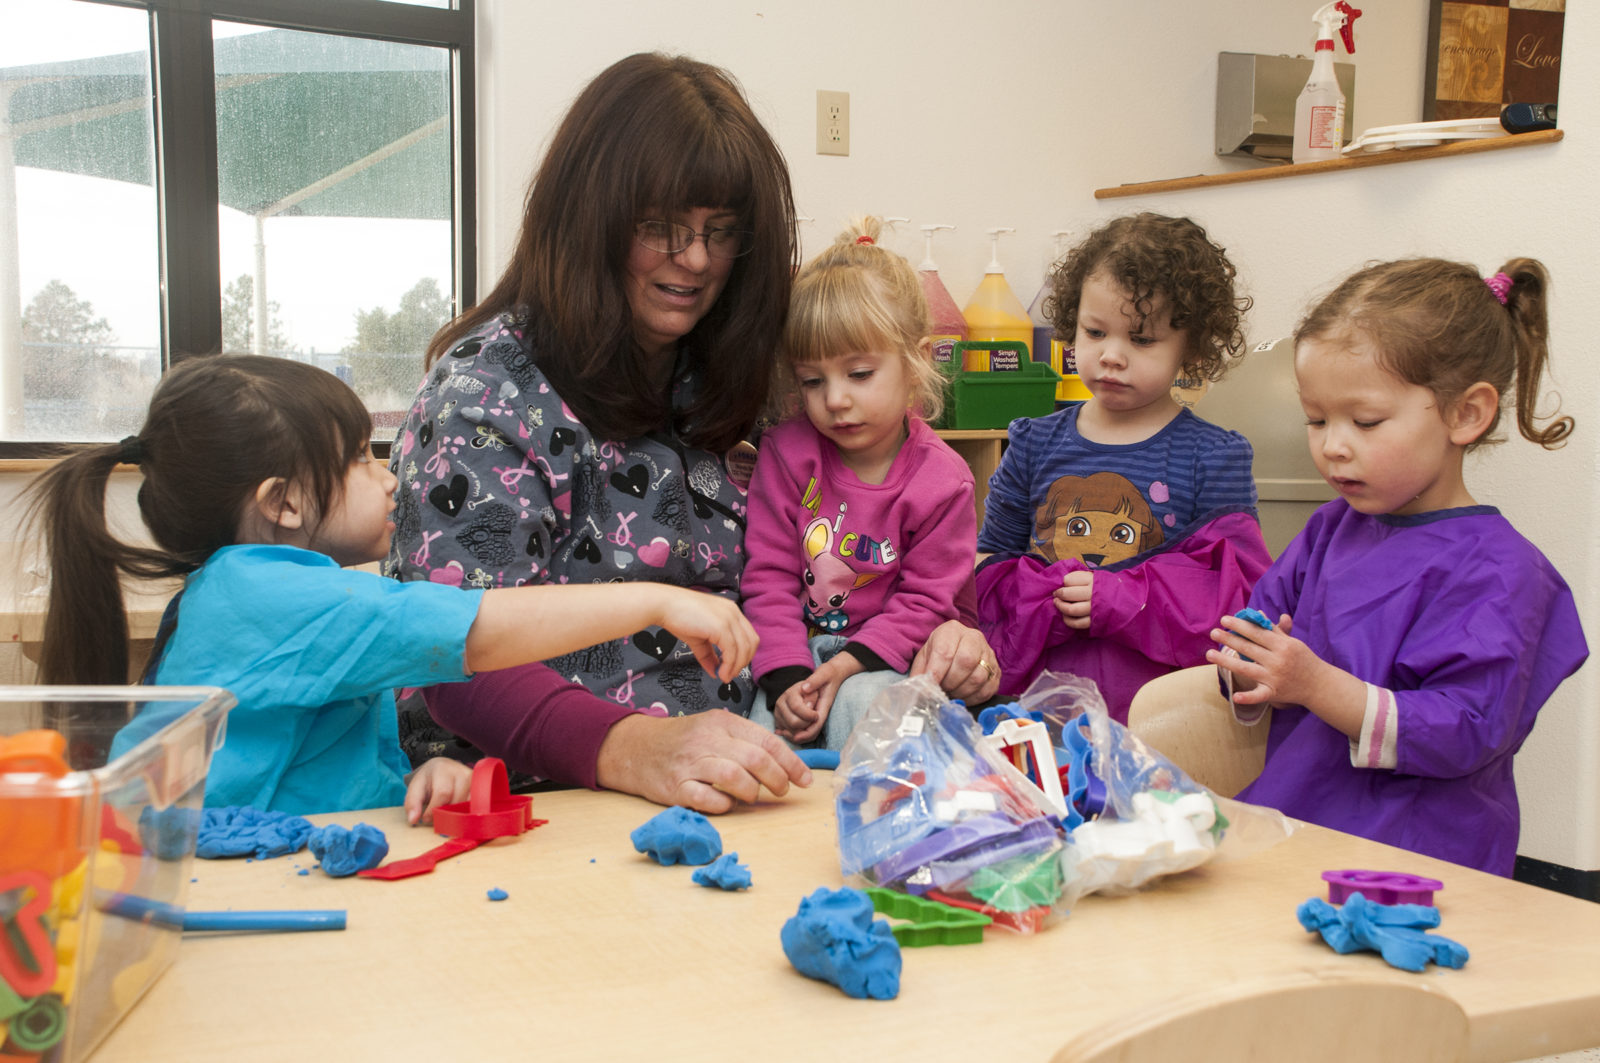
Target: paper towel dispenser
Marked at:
1255, 102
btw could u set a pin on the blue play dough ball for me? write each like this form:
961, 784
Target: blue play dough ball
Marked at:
725, 873
344, 852
498, 894
834, 938
678, 835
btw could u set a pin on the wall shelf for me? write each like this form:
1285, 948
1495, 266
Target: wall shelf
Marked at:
1269, 173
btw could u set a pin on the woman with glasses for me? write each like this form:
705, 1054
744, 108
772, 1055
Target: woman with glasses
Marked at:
591, 421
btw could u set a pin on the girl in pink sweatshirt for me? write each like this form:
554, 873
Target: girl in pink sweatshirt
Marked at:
862, 531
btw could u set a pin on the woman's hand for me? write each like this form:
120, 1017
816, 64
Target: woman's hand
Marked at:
440, 781
959, 659
708, 761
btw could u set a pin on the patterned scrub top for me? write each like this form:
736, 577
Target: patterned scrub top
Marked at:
501, 486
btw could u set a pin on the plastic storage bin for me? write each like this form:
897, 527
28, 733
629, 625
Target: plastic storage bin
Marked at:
77, 843
993, 398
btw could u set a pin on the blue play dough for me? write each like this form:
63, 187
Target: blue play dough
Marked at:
498, 894
1255, 616
725, 872
822, 759
678, 835
834, 938
246, 831
1399, 932
344, 851
169, 832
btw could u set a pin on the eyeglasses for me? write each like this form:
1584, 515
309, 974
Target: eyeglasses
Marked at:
669, 238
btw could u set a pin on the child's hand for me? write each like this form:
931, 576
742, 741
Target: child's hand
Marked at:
1281, 669
822, 686
710, 625
440, 781
795, 713
1072, 598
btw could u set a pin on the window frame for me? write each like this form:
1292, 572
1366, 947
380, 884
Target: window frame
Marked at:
183, 85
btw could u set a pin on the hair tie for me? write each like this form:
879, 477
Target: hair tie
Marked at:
132, 452
1500, 285
865, 240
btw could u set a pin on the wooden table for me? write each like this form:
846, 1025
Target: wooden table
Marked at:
599, 954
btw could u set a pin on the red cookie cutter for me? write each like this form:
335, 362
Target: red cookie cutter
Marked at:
492, 812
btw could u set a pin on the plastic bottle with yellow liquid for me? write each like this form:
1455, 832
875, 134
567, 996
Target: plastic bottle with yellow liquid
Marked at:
1046, 347
994, 312
949, 327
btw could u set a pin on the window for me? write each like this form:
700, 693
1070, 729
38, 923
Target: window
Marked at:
180, 177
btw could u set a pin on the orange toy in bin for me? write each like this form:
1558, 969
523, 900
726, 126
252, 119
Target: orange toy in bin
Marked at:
42, 832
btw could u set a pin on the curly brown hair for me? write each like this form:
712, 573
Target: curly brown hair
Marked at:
1157, 259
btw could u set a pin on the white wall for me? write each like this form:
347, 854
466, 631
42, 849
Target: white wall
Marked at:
1014, 111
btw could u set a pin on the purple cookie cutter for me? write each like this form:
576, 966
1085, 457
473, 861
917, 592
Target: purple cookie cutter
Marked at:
1381, 887
957, 851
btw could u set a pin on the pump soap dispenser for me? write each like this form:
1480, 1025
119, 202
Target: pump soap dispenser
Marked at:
994, 312
949, 327
1319, 112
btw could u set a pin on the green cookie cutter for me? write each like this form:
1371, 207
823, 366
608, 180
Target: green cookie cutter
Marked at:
930, 922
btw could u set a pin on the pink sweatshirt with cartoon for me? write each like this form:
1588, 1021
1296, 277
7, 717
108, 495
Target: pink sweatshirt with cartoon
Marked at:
881, 564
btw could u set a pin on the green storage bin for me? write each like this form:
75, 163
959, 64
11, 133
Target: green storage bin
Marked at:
994, 398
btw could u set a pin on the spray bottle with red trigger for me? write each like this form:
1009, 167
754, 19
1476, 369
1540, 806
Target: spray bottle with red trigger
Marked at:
1319, 112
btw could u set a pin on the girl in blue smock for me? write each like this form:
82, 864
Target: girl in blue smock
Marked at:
259, 486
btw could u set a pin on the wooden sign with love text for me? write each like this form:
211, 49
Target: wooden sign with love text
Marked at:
1484, 54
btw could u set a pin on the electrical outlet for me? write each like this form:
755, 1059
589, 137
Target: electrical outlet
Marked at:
833, 123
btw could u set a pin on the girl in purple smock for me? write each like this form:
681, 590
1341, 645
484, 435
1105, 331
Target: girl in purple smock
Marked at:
1426, 632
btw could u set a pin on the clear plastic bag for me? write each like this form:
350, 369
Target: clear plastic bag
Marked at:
925, 807
1153, 819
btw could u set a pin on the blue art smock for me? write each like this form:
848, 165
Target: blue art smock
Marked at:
313, 653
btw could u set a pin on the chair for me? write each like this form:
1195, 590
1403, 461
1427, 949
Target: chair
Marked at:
1185, 717
1304, 1018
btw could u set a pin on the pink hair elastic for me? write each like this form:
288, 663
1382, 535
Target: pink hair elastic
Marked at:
1500, 284
870, 240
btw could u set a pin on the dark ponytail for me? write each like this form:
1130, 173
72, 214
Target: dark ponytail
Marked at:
218, 427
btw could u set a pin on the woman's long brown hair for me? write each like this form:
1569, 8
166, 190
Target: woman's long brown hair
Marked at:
652, 135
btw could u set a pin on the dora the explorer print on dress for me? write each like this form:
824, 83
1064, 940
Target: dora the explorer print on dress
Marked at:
1167, 525
502, 486
1100, 519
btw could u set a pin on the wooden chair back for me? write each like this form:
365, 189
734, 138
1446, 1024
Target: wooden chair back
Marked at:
1185, 717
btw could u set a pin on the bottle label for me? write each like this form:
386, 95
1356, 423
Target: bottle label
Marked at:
1062, 358
1005, 361
1327, 127
944, 349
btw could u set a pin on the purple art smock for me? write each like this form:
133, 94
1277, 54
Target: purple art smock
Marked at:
1463, 630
